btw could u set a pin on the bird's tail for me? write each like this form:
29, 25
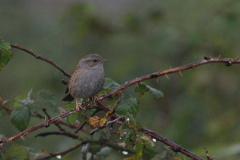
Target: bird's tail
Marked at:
68, 97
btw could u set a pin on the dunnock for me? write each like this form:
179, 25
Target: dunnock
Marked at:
87, 79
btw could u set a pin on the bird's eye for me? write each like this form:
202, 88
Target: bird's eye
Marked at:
95, 60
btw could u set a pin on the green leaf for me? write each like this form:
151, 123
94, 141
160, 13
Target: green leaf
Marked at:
46, 97
112, 101
149, 152
16, 102
110, 84
20, 117
128, 104
105, 133
128, 134
94, 148
5, 53
71, 118
16, 152
138, 152
28, 101
156, 93
142, 88
85, 112
104, 152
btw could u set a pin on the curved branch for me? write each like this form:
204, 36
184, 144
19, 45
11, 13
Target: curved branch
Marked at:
176, 148
206, 60
114, 146
50, 155
42, 58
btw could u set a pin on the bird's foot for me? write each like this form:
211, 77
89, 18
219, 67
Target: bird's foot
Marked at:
94, 98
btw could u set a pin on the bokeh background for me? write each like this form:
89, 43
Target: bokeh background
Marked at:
200, 108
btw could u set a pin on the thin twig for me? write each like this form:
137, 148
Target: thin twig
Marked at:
50, 155
42, 58
108, 122
105, 143
207, 155
64, 133
86, 121
56, 124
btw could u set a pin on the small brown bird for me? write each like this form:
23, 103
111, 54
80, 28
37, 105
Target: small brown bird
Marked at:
87, 79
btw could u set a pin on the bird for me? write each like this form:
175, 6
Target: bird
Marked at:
87, 79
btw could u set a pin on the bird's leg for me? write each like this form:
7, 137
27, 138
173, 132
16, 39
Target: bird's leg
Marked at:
77, 106
94, 98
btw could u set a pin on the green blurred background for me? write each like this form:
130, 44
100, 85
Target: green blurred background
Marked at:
200, 109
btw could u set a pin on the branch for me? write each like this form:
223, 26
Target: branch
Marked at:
86, 121
114, 146
56, 124
42, 58
206, 60
176, 148
207, 155
50, 155
74, 136
108, 122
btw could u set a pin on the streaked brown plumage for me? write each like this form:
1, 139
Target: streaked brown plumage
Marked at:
87, 79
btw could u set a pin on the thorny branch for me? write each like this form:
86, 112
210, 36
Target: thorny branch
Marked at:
176, 148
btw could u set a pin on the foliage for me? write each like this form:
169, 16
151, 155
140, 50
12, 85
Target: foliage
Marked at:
24, 106
5, 53
137, 38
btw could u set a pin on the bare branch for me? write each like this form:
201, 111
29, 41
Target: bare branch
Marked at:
42, 58
50, 155
64, 133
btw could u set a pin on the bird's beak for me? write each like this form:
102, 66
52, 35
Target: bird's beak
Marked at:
102, 61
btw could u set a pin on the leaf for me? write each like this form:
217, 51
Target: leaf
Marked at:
94, 148
28, 101
5, 53
147, 140
6, 103
97, 122
128, 134
128, 104
20, 117
105, 134
16, 152
85, 112
16, 102
110, 84
142, 88
46, 97
71, 118
138, 152
156, 93
149, 152
104, 152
